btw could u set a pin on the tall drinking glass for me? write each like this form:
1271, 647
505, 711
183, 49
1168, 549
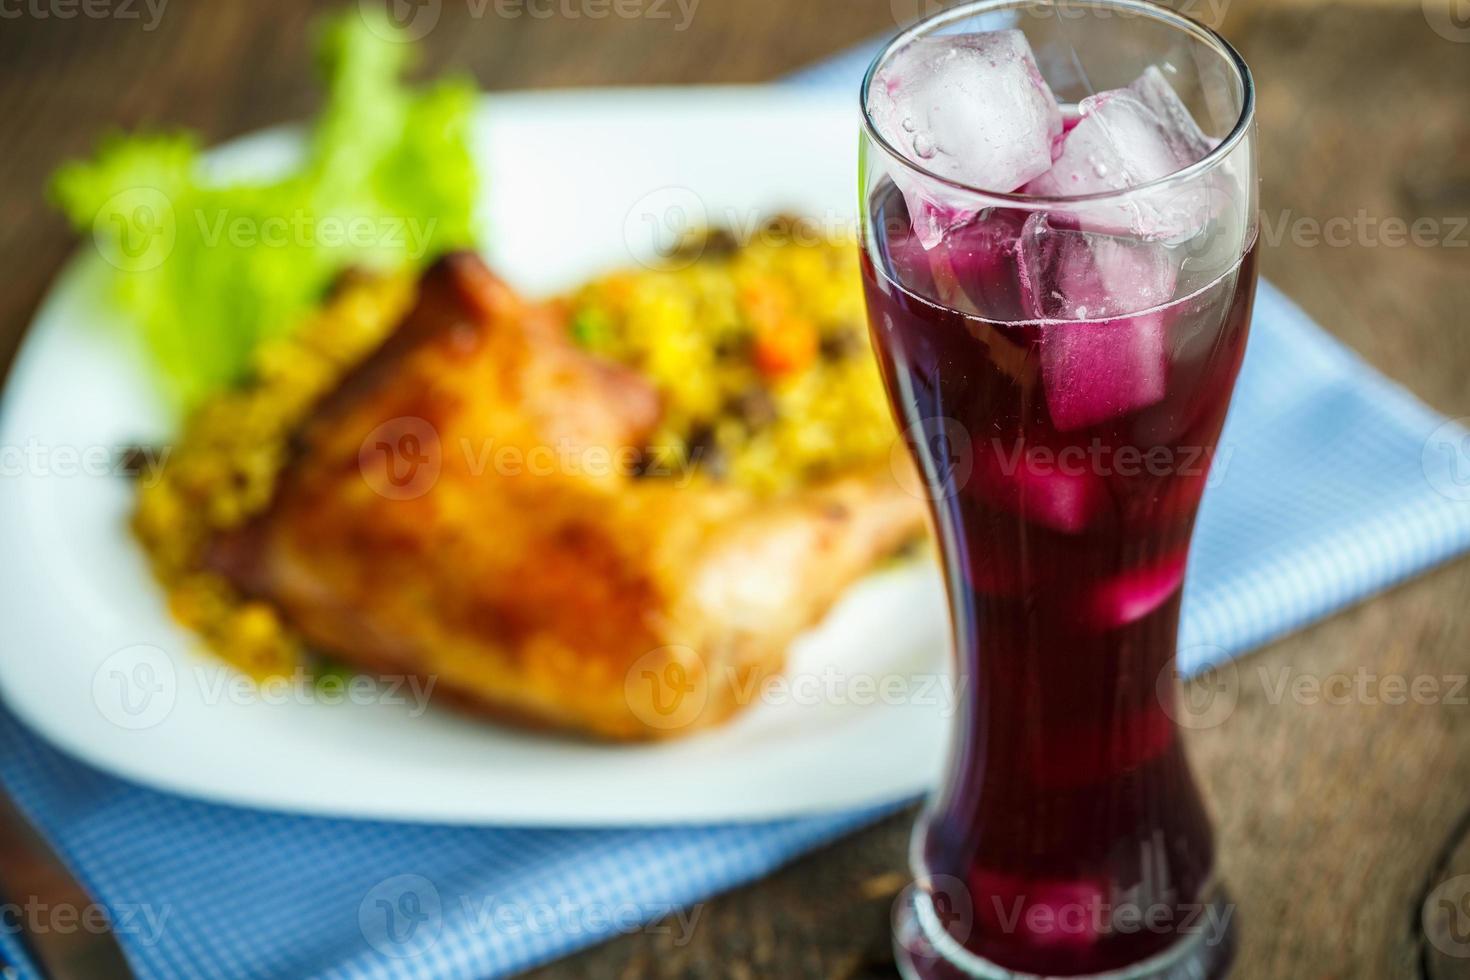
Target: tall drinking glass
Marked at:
1061, 357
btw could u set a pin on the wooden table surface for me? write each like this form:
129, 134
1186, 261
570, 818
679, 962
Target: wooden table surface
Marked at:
1334, 818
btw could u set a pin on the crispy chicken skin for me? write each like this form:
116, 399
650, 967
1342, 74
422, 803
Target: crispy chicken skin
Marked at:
463, 507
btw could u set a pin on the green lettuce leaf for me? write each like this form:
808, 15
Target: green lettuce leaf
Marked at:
208, 269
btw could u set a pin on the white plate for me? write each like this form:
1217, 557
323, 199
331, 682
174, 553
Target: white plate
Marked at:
576, 182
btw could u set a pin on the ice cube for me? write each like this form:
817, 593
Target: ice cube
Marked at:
972, 269
1118, 143
1128, 137
1041, 912
972, 108
1106, 353
976, 266
1096, 371
1031, 481
1153, 90
934, 210
1132, 595
1072, 274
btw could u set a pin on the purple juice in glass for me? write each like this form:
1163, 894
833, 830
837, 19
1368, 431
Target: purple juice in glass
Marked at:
1065, 545
1062, 366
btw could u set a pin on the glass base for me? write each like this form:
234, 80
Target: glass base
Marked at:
925, 952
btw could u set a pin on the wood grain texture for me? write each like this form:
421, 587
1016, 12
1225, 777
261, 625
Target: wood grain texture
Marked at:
1335, 819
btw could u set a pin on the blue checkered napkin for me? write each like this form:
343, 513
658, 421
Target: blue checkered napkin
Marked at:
1336, 484
1333, 484
199, 890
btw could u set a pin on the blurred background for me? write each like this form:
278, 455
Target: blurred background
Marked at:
1334, 821
1362, 109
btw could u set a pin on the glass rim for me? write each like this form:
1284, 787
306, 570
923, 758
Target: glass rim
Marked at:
1147, 8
